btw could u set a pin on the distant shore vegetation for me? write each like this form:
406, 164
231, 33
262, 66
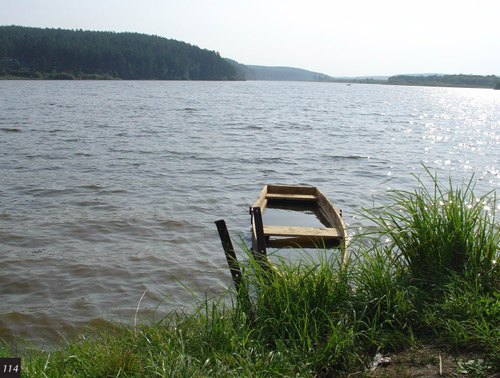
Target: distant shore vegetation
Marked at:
36, 53
471, 81
460, 81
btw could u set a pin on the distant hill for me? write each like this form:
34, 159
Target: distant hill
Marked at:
242, 72
286, 73
251, 72
69, 54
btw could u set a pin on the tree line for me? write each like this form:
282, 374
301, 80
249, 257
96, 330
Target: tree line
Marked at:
490, 81
58, 54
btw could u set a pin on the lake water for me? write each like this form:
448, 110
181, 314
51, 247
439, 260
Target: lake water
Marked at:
109, 190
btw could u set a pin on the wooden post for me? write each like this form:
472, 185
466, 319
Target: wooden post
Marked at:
259, 239
232, 261
259, 248
241, 291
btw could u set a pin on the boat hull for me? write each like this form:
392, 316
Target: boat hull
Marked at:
332, 235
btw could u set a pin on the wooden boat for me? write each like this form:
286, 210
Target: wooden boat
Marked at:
333, 234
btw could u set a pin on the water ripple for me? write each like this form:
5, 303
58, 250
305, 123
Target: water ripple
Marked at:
111, 188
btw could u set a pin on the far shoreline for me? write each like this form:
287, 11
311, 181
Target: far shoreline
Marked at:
106, 77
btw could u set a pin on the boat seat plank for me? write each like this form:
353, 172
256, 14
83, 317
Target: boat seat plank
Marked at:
291, 231
298, 197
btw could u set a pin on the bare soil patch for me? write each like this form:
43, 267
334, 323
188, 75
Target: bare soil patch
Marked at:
430, 362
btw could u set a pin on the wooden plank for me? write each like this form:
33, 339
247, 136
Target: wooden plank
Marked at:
296, 197
306, 232
261, 201
331, 212
335, 216
287, 189
303, 243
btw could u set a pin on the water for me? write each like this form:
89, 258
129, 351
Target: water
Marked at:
110, 189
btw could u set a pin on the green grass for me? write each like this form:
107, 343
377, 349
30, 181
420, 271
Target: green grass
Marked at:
438, 232
429, 274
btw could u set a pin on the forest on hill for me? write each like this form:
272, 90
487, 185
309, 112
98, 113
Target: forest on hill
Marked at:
76, 54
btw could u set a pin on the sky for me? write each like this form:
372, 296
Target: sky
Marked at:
338, 38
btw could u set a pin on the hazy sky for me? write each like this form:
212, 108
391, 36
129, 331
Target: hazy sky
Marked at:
338, 38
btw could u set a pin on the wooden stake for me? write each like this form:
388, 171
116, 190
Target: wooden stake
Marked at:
227, 245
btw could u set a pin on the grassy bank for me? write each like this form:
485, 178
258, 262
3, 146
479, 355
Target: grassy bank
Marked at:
422, 286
